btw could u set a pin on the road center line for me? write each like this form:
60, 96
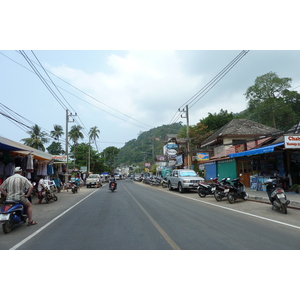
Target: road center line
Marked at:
161, 231
48, 224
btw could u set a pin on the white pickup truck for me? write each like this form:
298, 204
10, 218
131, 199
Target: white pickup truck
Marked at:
183, 179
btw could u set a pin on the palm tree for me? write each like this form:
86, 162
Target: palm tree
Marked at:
93, 134
37, 138
57, 132
74, 135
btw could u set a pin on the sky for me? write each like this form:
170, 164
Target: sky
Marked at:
126, 92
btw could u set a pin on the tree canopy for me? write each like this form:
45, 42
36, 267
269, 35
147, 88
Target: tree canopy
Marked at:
37, 138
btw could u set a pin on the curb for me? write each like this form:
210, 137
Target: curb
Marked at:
293, 204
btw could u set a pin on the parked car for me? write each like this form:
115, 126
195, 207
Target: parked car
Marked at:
183, 179
93, 180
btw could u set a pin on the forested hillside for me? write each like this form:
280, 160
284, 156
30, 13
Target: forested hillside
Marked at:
146, 146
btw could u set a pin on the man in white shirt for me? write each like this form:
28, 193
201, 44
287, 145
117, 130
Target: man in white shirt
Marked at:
14, 189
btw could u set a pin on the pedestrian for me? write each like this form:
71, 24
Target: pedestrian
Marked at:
14, 189
78, 182
41, 188
286, 181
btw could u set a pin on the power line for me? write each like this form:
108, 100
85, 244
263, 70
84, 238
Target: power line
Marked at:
195, 98
91, 98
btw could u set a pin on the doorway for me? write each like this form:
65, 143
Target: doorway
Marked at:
245, 170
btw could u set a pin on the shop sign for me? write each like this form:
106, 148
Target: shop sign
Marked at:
60, 157
172, 146
202, 156
147, 164
179, 160
240, 148
292, 141
83, 169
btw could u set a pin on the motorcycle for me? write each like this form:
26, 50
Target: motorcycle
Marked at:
74, 188
222, 188
155, 181
12, 213
207, 189
164, 183
49, 195
236, 191
276, 196
112, 186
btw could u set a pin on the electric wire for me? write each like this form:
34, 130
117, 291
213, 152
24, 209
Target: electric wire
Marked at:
42, 79
98, 101
199, 95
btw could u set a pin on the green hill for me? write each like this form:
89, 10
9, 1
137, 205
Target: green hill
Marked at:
146, 146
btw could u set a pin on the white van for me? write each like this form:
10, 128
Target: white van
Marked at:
93, 180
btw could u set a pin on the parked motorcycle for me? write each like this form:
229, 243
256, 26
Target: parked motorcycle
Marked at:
205, 189
155, 181
112, 186
12, 213
276, 196
236, 191
164, 183
49, 195
222, 188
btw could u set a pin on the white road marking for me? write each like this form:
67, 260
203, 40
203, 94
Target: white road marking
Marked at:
48, 224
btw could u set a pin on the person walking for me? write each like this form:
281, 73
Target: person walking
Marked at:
14, 189
40, 189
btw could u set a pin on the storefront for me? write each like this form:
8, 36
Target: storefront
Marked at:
32, 161
257, 165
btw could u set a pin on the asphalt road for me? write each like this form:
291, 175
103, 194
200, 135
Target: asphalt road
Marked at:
141, 217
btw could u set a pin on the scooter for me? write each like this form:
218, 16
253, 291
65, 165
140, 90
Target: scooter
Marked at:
12, 213
207, 189
222, 189
74, 188
49, 195
112, 186
164, 183
276, 196
237, 191
155, 181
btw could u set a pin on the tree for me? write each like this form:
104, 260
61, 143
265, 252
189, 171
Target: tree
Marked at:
93, 134
57, 132
75, 134
97, 162
109, 154
37, 138
266, 103
55, 148
216, 121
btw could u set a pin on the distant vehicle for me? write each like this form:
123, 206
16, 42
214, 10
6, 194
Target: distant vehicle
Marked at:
93, 180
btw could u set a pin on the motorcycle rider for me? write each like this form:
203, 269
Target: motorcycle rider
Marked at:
111, 180
13, 188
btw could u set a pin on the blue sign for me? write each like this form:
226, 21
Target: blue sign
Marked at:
172, 146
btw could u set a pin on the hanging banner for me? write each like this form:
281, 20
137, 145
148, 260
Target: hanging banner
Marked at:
202, 156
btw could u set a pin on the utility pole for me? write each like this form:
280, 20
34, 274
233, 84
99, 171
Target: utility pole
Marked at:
67, 142
186, 111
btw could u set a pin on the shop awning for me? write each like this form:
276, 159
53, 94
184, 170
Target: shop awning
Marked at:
261, 150
9, 145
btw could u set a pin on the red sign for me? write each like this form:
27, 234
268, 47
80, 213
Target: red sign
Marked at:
240, 148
